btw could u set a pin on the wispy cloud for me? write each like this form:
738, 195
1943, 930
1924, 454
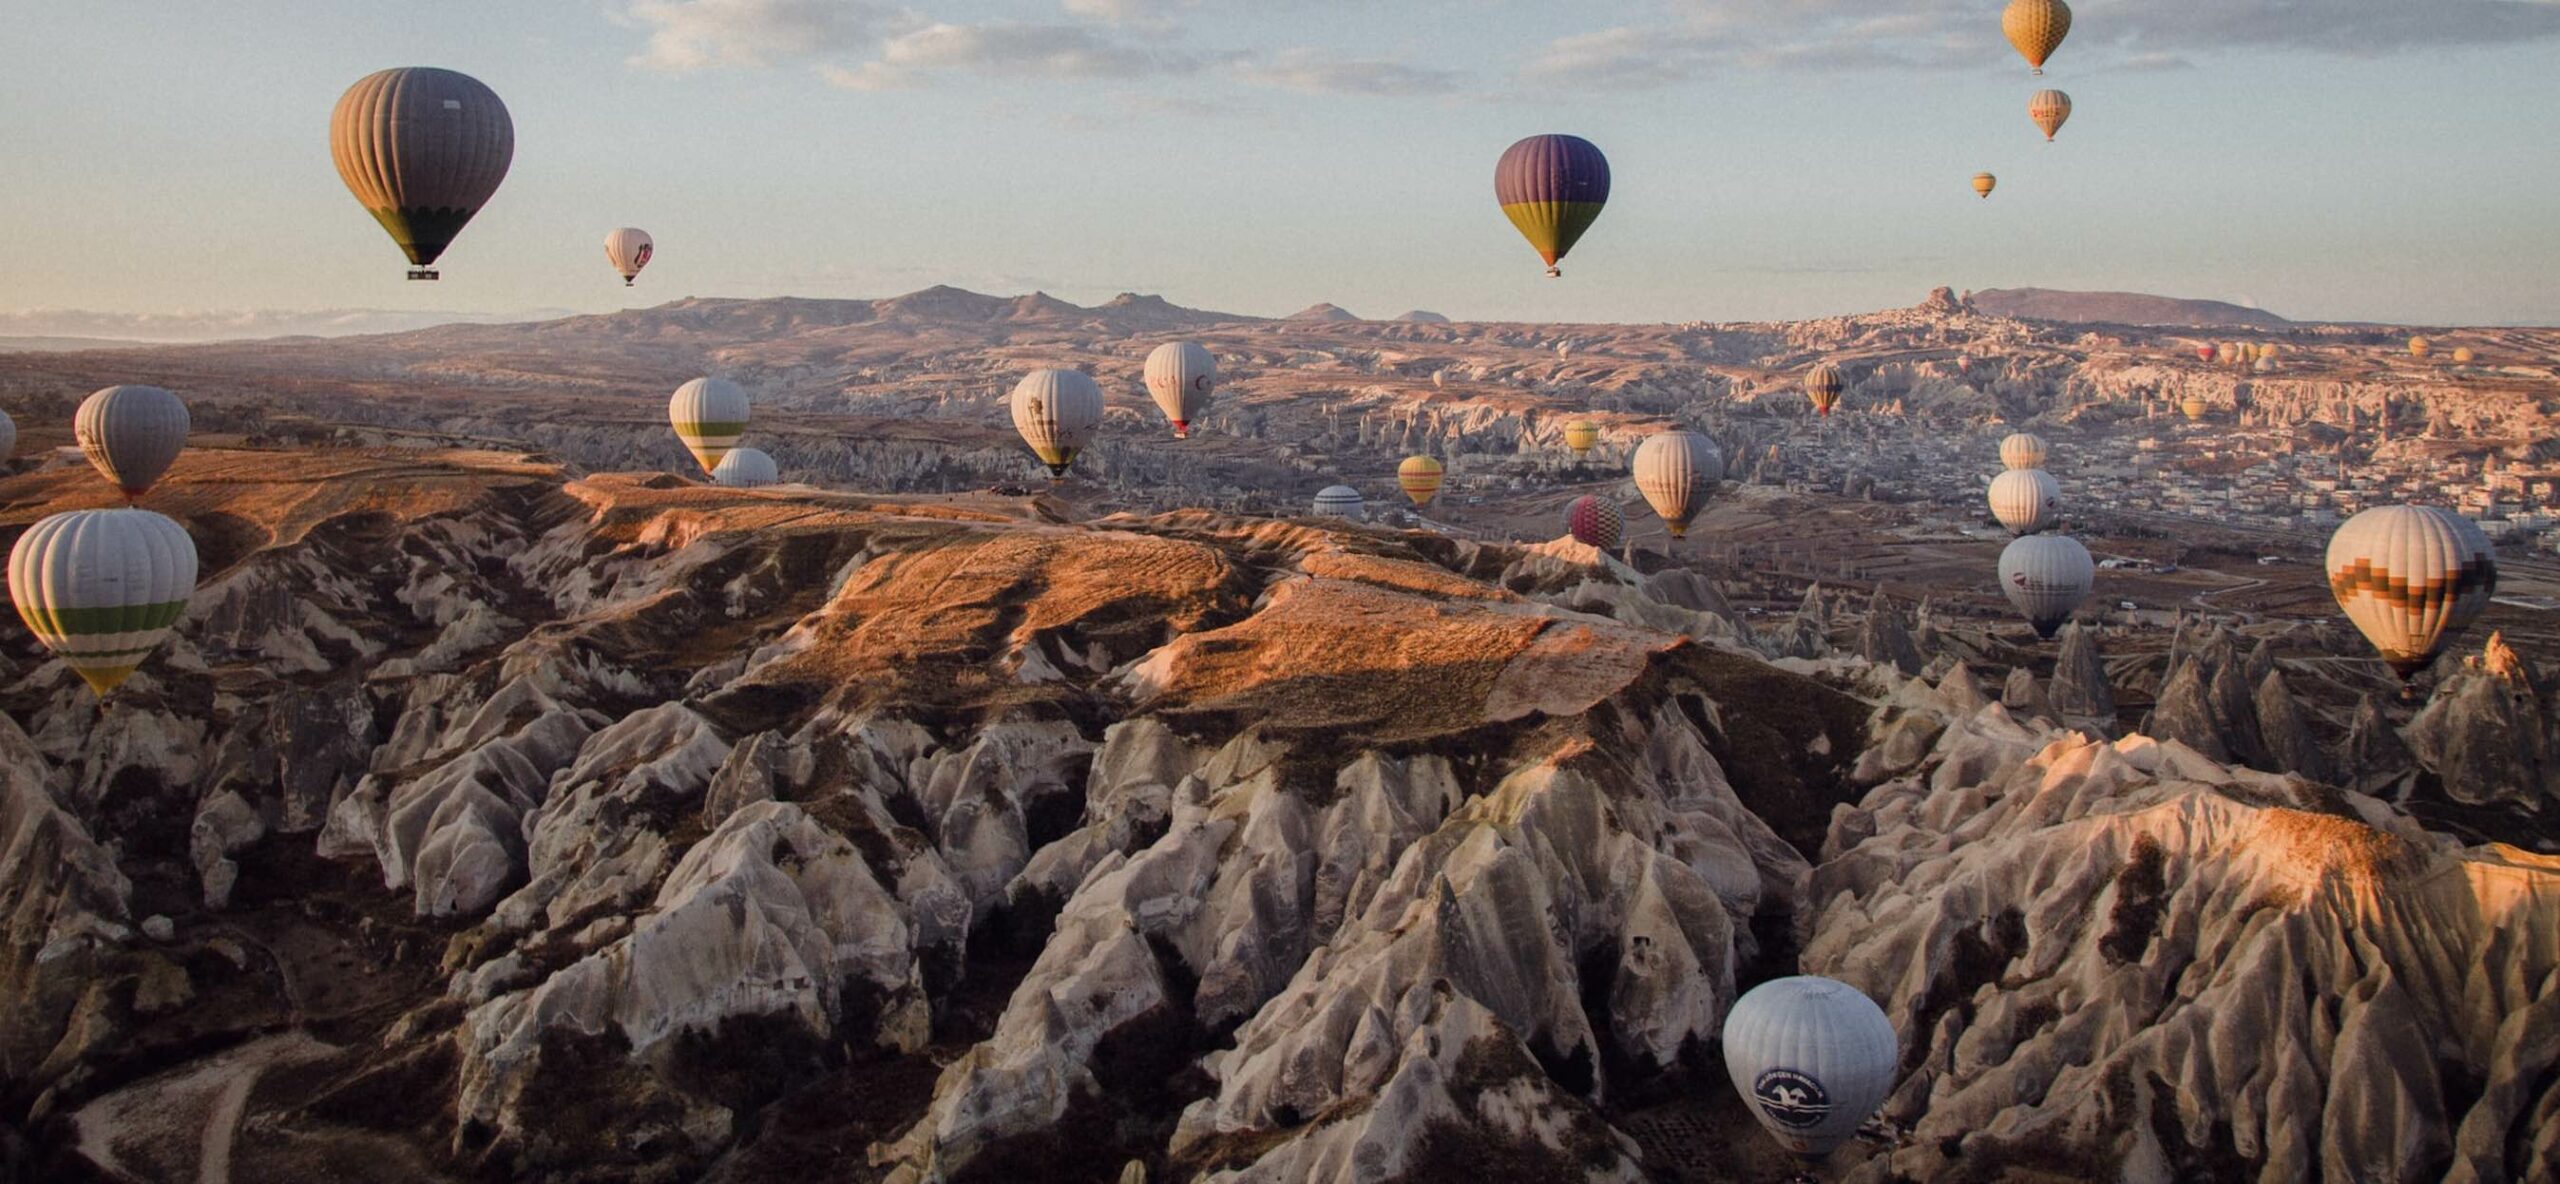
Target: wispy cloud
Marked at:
1010, 48
1315, 72
691, 35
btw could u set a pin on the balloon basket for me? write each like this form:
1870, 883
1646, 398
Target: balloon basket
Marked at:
423, 273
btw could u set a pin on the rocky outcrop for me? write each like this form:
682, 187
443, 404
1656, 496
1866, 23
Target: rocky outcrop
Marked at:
2081, 691
1884, 640
2488, 733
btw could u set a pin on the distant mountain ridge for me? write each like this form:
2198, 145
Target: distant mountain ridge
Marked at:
2119, 308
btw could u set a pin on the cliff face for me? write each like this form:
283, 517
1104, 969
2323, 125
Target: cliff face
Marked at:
480, 820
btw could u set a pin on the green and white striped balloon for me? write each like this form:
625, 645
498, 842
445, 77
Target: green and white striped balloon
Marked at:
100, 588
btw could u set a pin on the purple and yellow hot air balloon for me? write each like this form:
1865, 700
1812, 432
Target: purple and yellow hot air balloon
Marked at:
1552, 188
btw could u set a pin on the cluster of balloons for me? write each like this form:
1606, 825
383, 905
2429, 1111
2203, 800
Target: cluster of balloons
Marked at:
101, 588
710, 416
2045, 576
2035, 28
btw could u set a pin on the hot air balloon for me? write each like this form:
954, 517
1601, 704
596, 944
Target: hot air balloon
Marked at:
2050, 109
2036, 28
745, 468
2412, 578
2418, 347
2193, 408
1580, 435
2205, 352
2462, 355
2026, 500
2022, 450
2266, 364
2046, 576
1677, 471
628, 250
1983, 183
423, 149
1823, 385
2226, 353
1813, 1057
1338, 501
100, 588
8, 435
1056, 411
1552, 188
709, 414
2267, 350
132, 434
1419, 478
1182, 376
1595, 521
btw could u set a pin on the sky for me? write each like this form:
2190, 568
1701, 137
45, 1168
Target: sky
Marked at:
167, 163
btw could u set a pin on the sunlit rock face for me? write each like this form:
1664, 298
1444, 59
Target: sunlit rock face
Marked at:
617, 827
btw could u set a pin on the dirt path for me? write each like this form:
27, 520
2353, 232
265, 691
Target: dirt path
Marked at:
182, 1124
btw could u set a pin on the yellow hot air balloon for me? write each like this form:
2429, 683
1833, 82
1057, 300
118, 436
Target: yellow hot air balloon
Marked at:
2462, 354
2418, 347
2050, 109
1983, 183
1580, 435
2036, 28
2192, 408
1419, 477
1823, 385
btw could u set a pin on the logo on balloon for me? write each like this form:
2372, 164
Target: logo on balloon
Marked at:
1791, 1098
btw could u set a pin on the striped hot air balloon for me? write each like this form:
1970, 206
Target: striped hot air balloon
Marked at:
1813, 1056
745, 468
2419, 347
2046, 576
1677, 472
2036, 28
1823, 385
2050, 109
709, 415
1057, 411
1580, 435
1983, 184
132, 434
629, 249
1596, 522
2022, 450
2412, 578
1419, 478
2026, 500
100, 588
1338, 501
423, 149
1552, 188
1182, 376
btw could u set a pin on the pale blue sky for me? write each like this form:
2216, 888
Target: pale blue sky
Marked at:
1773, 158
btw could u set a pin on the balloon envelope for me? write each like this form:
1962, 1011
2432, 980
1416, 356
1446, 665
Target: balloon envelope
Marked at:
132, 434
2026, 500
422, 149
1057, 411
1984, 183
1595, 521
1813, 1057
1419, 478
2412, 578
1580, 435
629, 249
2036, 28
1823, 385
708, 414
2022, 450
2050, 109
100, 588
1677, 471
2418, 347
2193, 409
1182, 376
1338, 501
745, 468
1552, 188
2046, 576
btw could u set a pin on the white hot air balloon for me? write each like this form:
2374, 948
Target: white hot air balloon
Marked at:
745, 468
1183, 377
100, 588
709, 415
628, 249
132, 434
2046, 576
1057, 411
8, 435
1813, 1057
1338, 501
2026, 500
2412, 578
1677, 472
2022, 450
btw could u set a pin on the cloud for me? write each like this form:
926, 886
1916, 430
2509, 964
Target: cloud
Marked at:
691, 35
1156, 13
1315, 72
1706, 36
1011, 48
243, 324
